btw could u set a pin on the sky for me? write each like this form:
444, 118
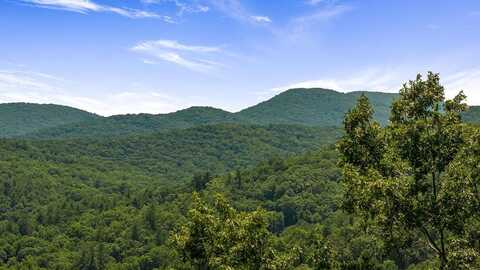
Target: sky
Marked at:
159, 56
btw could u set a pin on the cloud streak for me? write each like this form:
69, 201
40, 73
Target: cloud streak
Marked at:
33, 87
389, 80
87, 6
182, 6
466, 80
172, 51
262, 19
174, 45
234, 9
369, 80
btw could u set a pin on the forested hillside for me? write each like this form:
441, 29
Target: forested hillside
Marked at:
177, 154
119, 125
206, 189
472, 115
80, 215
314, 107
112, 204
18, 119
310, 107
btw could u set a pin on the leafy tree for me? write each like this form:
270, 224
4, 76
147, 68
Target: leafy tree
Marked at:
151, 217
200, 180
405, 177
222, 238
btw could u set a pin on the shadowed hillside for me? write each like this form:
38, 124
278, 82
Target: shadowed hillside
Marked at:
21, 118
311, 107
314, 107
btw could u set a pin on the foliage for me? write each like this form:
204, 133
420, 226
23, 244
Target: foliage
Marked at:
406, 177
266, 196
121, 125
222, 238
314, 107
177, 154
21, 118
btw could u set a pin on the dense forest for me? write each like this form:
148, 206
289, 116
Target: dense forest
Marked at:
311, 179
19, 119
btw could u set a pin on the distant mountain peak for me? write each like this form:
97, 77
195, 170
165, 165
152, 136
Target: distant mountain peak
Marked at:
21, 118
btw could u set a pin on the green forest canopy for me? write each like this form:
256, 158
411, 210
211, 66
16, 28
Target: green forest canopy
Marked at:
241, 196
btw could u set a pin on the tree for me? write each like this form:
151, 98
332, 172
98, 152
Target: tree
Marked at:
200, 181
405, 177
151, 217
222, 238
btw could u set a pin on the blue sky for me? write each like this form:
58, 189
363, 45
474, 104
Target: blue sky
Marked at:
158, 56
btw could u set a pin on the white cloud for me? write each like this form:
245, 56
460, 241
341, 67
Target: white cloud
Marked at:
35, 87
321, 2
315, 2
369, 80
26, 81
182, 6
169, 51
26, 86
308, 25
262, 19
86, 6
234, 9
172, 44
468, 81
322, 14
386, 80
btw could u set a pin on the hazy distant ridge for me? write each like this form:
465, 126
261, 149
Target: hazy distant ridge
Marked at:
312, 107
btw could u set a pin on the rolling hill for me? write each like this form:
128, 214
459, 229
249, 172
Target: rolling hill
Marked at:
314, 107
310, 107
21, 118
472, 115
138, 123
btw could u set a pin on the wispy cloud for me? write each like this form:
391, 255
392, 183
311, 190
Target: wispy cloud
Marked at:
34, 87
466, 80
182, 6
87, 6
175, 45
234, 9
315, 2
262, 19
304, 26
371, 79
389, 80
322, 14
26, 81
170, 51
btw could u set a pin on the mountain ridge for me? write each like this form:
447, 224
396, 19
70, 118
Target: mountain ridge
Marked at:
300, 106
21, 118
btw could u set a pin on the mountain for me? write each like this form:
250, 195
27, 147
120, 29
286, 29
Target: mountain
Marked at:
138, 123
311, 107
314, 107
472, 115
21, 118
